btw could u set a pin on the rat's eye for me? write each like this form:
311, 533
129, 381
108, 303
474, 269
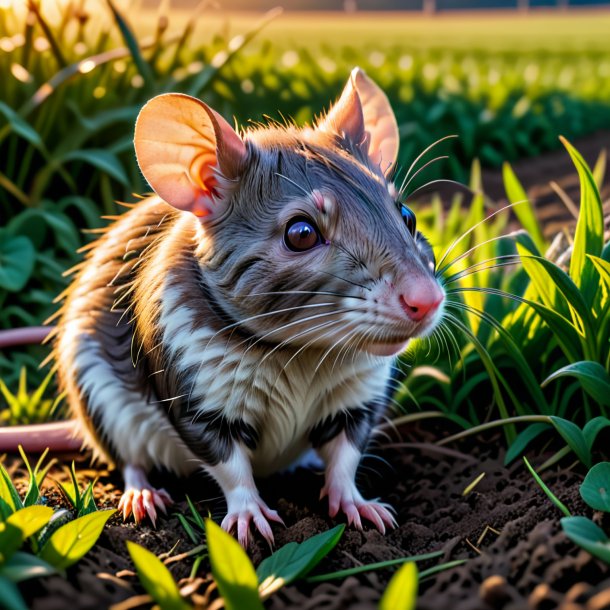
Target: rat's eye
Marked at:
301, 234
409, 217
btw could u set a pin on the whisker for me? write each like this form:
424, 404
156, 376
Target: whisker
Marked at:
404, 187
505, 260
293, 183
317, 292
471, 250
457, 240
426, 150
345, 280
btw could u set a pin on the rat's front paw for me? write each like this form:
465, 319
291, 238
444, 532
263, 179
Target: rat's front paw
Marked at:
245, 506
349, 500
142, 503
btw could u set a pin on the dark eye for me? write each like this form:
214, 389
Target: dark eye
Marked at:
409, 217
301, 234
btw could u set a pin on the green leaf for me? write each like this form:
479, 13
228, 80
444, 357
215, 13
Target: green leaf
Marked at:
595, 489
551, 496
31, 518
583, 532
523, 439
401, 592
20, 126
589, 235
74, 539
156, 578
295, 560
574, 437
8, 493
599, 169
603, 267
523, 209
23, 566
17, 257
232, 570
10, 596
21, 525
132, 44
101, 159
592, 376
592, 428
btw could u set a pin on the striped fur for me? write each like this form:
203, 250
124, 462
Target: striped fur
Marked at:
177, 343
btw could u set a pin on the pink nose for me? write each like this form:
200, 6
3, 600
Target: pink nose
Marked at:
420, 304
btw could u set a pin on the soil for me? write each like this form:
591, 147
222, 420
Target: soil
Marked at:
505, 528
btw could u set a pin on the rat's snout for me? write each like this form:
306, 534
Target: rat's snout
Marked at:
421, 301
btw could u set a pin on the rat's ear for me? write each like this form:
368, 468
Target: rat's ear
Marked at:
363, 114
187, 152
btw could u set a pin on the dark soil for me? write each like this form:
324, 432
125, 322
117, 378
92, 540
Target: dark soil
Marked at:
505, 527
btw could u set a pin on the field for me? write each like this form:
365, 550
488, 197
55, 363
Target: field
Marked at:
519, 367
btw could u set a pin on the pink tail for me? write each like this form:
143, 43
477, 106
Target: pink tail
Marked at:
24, 336
57, 436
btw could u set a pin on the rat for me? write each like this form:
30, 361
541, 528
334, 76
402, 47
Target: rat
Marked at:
251, 309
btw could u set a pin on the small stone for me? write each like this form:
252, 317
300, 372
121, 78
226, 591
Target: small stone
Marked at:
601, 601
539, 594
577, 592
494, 591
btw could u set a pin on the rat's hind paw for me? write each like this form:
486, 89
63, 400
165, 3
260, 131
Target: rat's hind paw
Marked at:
142, 503
244, 508
348, 499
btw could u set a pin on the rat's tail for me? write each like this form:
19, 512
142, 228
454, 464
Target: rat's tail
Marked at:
57, 436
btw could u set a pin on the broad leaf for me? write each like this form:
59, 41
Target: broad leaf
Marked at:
593, 428
232, 570
595, 489
574, 437
586, 534
156, 578
523, 439
401, 592
31, 518
74, 539
295, 560
21, 525
592, 376
23, 566
17, 257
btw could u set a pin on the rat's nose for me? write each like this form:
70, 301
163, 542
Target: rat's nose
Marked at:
420, 303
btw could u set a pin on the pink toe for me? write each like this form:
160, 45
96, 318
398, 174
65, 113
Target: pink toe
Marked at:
243, 531
228, 523
369, 511
149, 506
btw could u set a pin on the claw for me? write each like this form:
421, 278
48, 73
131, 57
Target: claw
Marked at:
142, 503
345, 497
244, 509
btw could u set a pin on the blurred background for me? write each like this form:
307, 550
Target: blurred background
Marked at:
508, 77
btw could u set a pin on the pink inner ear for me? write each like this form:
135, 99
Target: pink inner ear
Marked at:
183, 149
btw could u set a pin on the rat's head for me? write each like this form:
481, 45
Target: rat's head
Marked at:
307, 241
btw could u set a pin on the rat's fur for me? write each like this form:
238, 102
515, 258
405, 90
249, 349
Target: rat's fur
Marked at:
188, 346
